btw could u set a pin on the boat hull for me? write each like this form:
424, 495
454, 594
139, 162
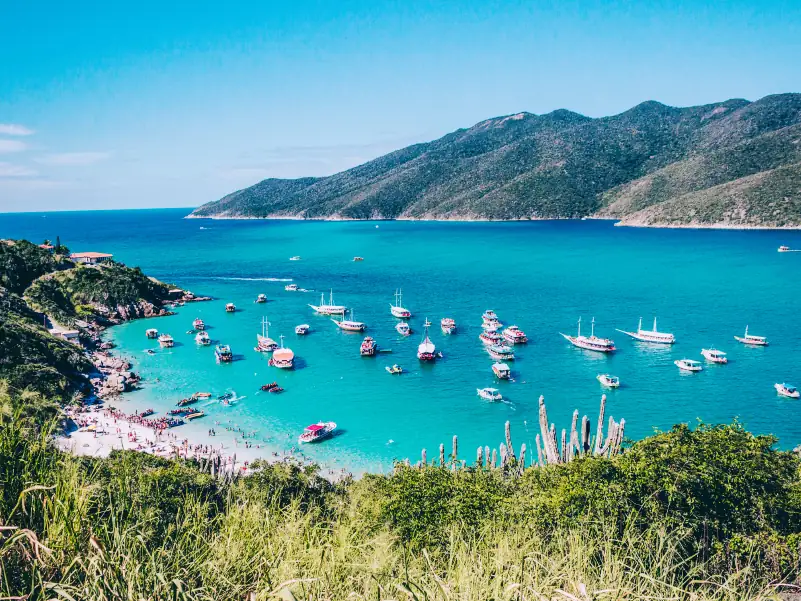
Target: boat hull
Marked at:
644, 337
588, 346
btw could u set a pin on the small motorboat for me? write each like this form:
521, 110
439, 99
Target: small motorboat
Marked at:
199, 324
226, 396
150, 351
295, 258
166, 340
274, 387
714, 356
787, 390
358, 258
394, 370
448, 325
223, 354
489, 315
203, 338
291, 287
501, 352
608, 381
230, 308
152, 333
317, 432
688, 365
261, 298
368, 347
751, 340
403, 328
501, 371
515, 335
489, 394
302, 329
784, 249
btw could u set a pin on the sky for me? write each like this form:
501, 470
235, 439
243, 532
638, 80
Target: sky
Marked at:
108, 105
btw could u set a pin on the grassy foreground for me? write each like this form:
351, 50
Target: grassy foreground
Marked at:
710, 513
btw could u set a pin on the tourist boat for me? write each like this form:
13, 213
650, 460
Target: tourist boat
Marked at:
787, 390
688, 365
358, 258
295, 258
166, 340
230, 308
349, 325
489, 394
261, 298
198, 324
591, 342
302, 329
283, 358
515, 335
448, 325
751, 340
152, 333
608, 381
202, 395
274, 387
394, 370
291, 287
654, 336
426, 351
489, 315
203, 338
397, 309
501, 371
330, 308
368, 347
190, 416
714, 355
501, 352
181, 411
265, 344
223, 354
317, 432
490, 337
784, 249
491, 326
403, 328
185, 402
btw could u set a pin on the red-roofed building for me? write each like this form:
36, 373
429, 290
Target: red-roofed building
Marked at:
91, 258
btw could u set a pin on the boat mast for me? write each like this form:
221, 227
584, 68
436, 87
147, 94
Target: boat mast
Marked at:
592, 331
282, 340
579, 328
654, 323
639, 325
331, 297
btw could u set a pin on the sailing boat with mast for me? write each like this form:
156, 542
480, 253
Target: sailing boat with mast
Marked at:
349, 325
330, 308
426, 351
591, 342
397, 309
653, 336
265, 343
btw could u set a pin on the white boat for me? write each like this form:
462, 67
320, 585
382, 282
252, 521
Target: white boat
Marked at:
489, 394
714, 356
403, 328
203, 338
490, 337
368, 347
152, 333
349, 325
751, 340
784, 249
448, 325
317, 432
395, 370
223, 354
591, 342
426, 351
265, 344
199, 324
283, 358
397, 309
501, 371
302, 329
491, 326
501, 352
261, 298
608, 381
166, 340
230, 308
688, 365
291, 287
515, 335
489, 315
330, 308
653, 336
295, 258
787, 390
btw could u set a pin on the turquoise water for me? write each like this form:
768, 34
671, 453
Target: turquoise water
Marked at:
704, 286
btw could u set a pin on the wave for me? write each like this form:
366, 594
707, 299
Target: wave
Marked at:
251, 279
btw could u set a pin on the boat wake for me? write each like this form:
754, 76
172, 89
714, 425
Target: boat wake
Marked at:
252, 279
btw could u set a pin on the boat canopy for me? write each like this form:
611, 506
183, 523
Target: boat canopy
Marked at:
283, 354
315, 428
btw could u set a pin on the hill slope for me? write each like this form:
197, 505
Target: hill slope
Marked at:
561, 164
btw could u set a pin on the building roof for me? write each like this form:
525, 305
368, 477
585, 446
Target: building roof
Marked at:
90, 255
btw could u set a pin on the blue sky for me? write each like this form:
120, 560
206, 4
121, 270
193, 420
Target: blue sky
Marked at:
163, 104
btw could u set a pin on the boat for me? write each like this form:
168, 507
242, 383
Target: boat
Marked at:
688, 365
330, 308
261, 298
195, 415
490, 337
265, 344
358, 258
291, 287
591, 342
274, 387
317, 432
714, 356
403, 328
223, 354
394, 370
166, 340
426, 351
302, 329
489, 394
202, 395
515, 335
654, 336
397, 309
349, 325
283, 358
368, 347
608, 381
203, 338
198, 324
501, 352
751, 340
150, 351
489, 315
787, 390
784, 249
448, 325
152, 333
295, 258
230, 308
225, 396
501, 371
185, 402
181, 411
491, 326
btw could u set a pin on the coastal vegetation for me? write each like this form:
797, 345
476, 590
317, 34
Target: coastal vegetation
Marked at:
732, 163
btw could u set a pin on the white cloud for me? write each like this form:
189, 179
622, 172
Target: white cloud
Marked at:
14, 129
11, 170
73, 159
12, 146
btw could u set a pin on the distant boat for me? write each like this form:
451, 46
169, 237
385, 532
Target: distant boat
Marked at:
368, 347
283, 358
784, 249
302, 329
358, 258
688, 365
198, 324
608, 381
653, 336
501, 371
591, 342
349, 325
291, 287
448, 325
787, 390
230, 308
426, 351
265, 343
317, 432
489, 394
152, 333
261, 298
330, 308
394, 370
751, 340
203, 338
223, 354
501, 352
403, 328
166, 340
714, 355
515, 335
397, 309
295, 258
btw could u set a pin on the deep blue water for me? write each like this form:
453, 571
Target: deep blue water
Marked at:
704, 286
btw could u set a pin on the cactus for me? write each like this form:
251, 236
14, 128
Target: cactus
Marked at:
585, 435
510, 448
504, 456
479, 457
494, 458
423, 458
442, 454
600, 431
539, 452
522, 457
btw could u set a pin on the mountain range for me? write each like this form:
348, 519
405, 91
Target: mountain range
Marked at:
729, 164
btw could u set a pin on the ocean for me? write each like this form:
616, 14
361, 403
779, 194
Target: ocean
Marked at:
704, 286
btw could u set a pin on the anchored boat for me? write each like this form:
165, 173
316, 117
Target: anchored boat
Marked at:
223, 354
328, 308
395, 370
489, 394
261, 298
198, 324
591, 342
654, 336
751, 340
501, 371
688, 365
426, 351
317, 432
403, 328
397, 309
283, 358
515, 335
501, 352
714, 356
349, 325
490, 337
152, 333
302, 329
166, 340
608, 381
368, 347
202, 338
265, 343
448, 325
